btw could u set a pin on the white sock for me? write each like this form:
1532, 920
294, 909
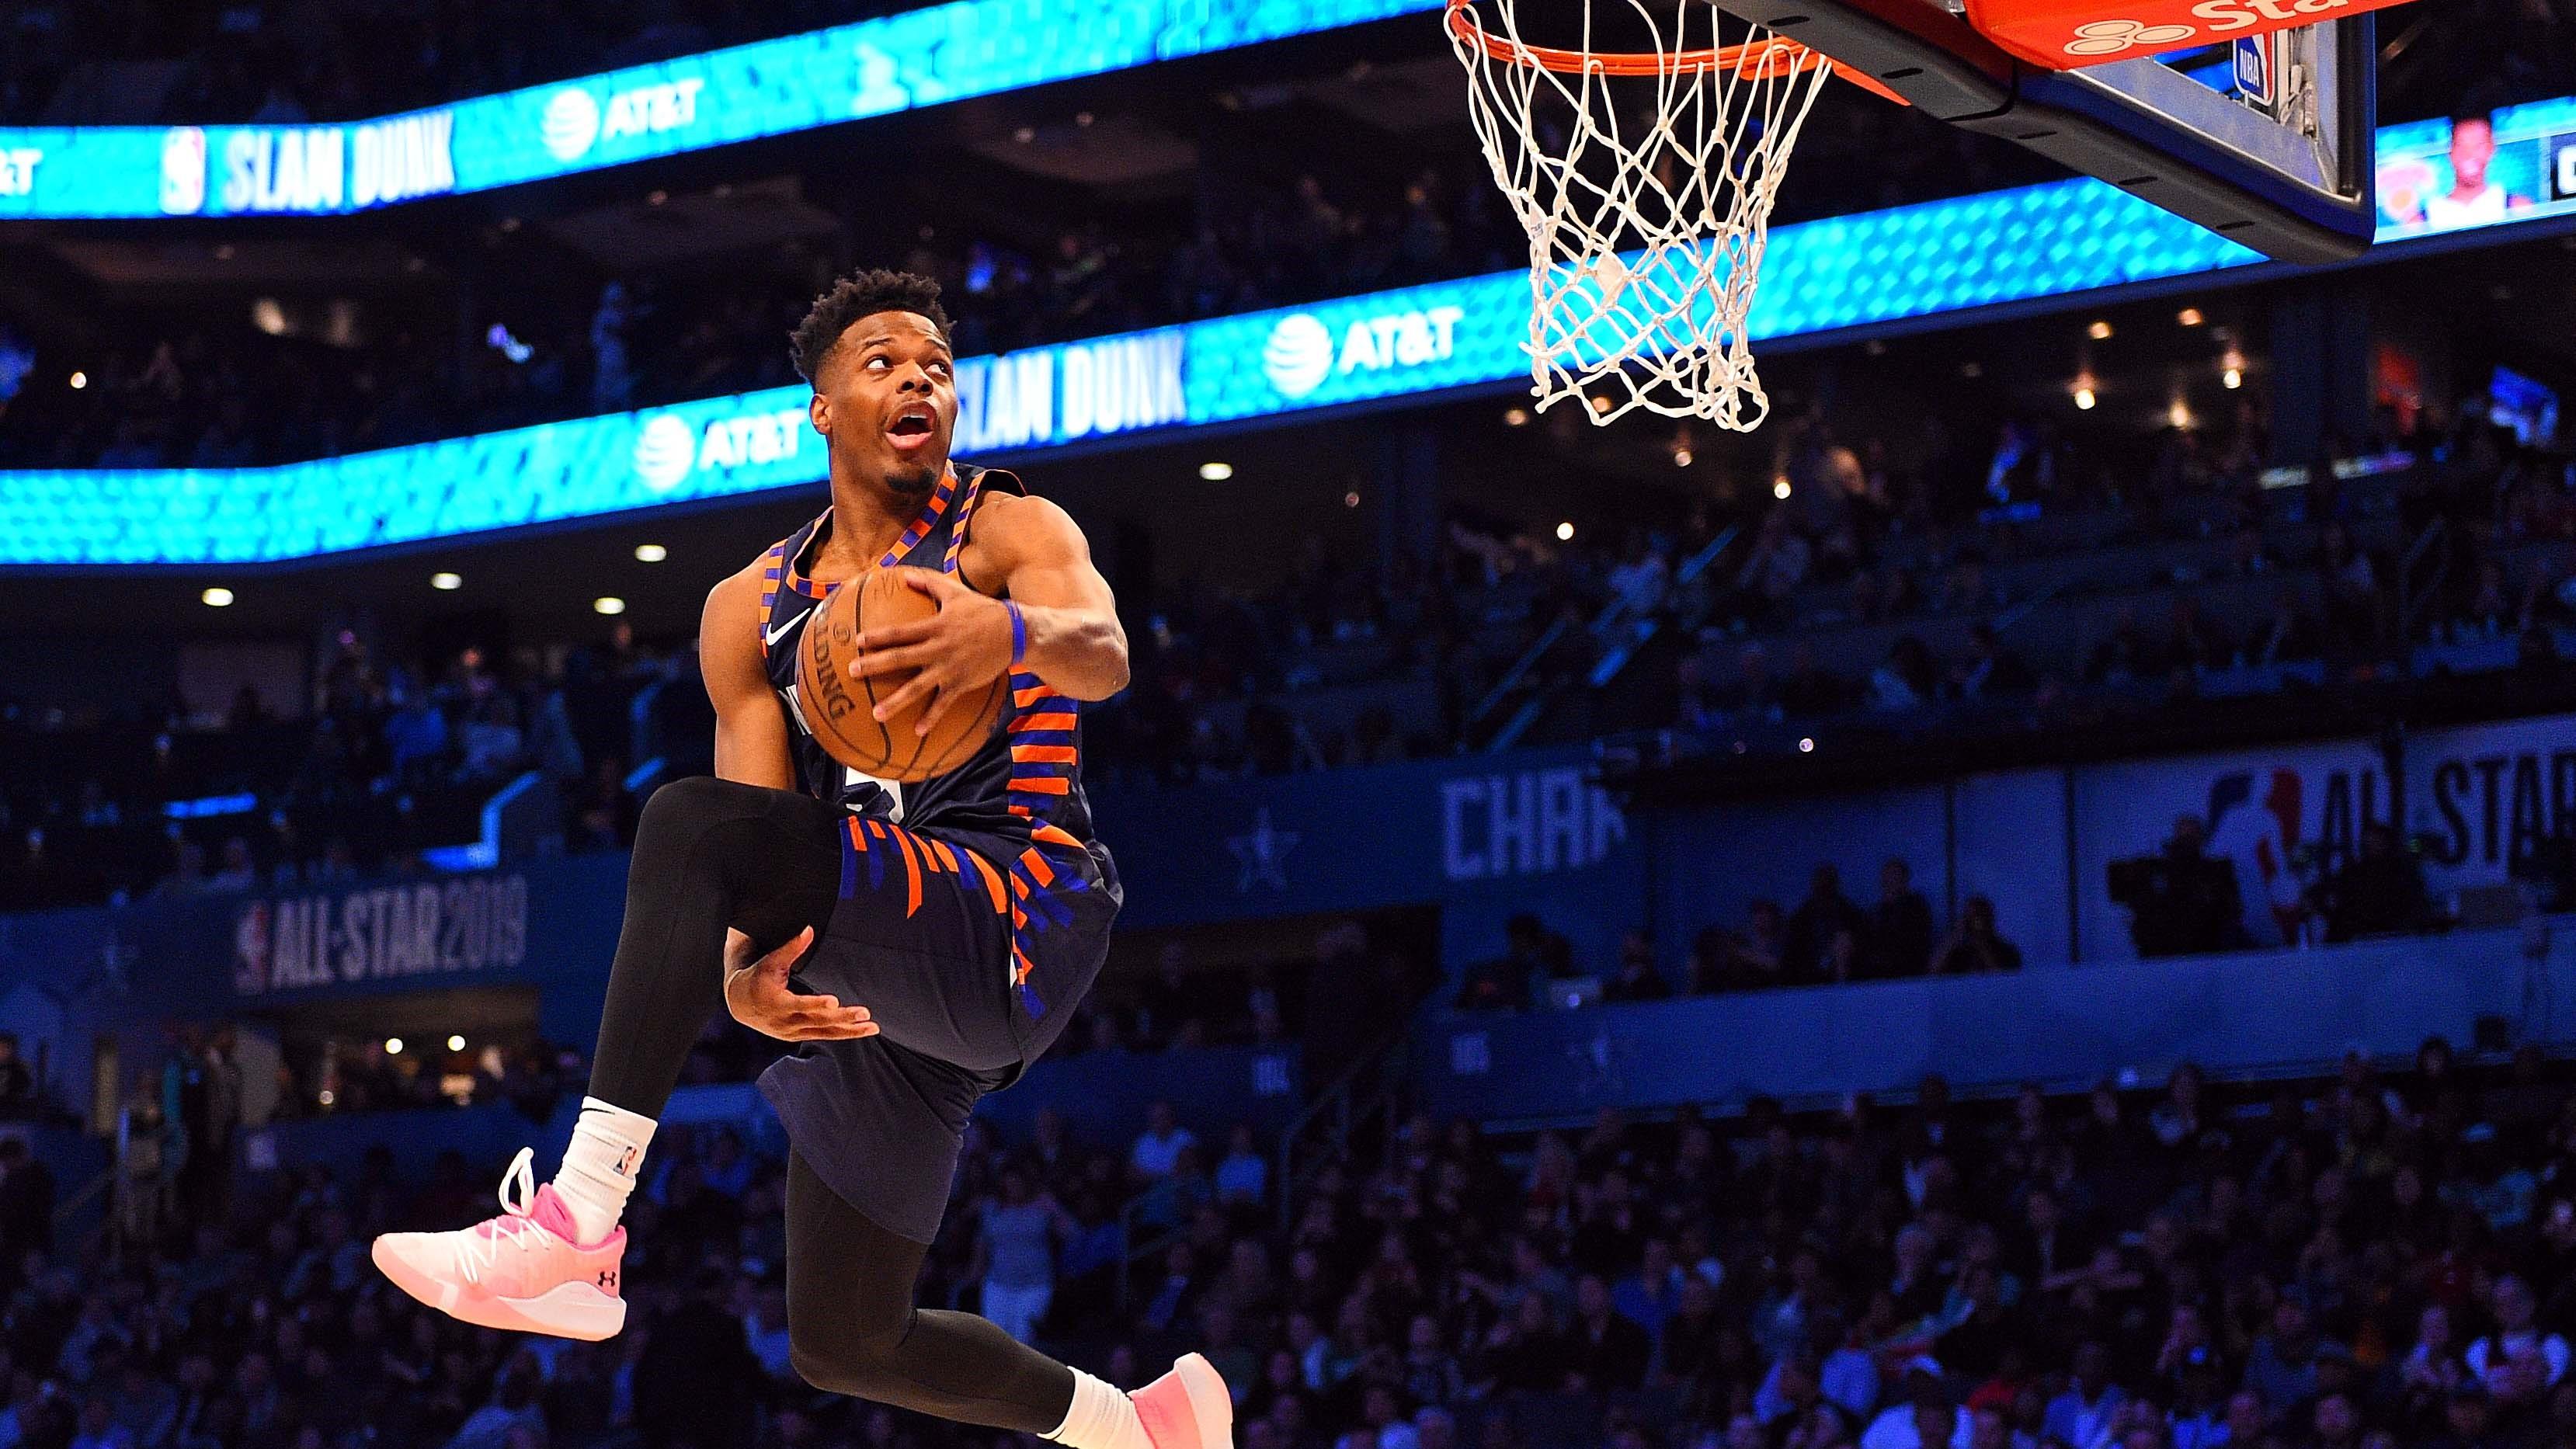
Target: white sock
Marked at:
600, 1167
1100, 1417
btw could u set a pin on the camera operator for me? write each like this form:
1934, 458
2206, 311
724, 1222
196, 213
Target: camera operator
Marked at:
2181, 902
2378, 892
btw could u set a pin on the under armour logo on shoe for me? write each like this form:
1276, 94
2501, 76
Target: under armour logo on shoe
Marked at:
608, 1280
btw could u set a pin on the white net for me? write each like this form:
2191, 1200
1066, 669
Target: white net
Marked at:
1645, 181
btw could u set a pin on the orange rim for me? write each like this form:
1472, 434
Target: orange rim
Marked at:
1756, 60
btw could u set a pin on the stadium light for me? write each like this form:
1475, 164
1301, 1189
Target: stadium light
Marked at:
79, 380
2100, 331
1780, 486
456, 1043
1215, 472
393, 1046
2188, 317
446, 583
217, 597
608, 604
651, 553
1565, 533
2084, 398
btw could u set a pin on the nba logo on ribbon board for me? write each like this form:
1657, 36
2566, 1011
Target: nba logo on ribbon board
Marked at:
183, 171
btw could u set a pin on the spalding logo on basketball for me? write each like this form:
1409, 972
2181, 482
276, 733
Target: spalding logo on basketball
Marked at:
840, 711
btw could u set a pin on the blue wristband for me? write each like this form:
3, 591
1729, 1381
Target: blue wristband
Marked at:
1019, 633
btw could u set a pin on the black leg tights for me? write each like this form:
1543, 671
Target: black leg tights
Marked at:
852, 1329
709, 854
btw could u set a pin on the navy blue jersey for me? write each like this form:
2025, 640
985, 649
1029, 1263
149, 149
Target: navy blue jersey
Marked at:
1016, 805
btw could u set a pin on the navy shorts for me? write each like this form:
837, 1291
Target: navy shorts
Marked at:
935, 940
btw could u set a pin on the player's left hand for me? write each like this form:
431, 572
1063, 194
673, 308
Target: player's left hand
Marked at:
957, 651
756, 994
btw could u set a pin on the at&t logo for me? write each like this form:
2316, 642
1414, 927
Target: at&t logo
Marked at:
18, 169
668, 449
570, 124
1298, 355
1301, 352
574, 121
664, 452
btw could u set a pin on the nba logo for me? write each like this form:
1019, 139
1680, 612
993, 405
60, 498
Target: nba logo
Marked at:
2257, 73
183, 171
251, 950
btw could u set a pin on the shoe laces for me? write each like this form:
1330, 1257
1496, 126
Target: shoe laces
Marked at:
483, 1246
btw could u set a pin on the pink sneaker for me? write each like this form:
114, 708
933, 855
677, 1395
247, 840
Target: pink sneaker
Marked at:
521, 1270
1187, 1408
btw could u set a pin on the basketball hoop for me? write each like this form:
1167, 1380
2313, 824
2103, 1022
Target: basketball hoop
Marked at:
1645, 236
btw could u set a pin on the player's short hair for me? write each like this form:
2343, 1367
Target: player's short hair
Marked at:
860, 294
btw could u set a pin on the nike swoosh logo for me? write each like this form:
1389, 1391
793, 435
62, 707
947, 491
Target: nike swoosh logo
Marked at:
774, 635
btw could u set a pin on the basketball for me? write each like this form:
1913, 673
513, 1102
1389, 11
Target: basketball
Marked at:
840, 710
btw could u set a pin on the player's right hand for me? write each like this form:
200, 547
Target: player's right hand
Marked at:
758, 996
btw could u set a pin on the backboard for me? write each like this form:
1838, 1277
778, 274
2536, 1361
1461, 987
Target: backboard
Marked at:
2265, 141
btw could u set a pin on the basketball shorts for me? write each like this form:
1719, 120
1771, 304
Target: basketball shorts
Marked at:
969, 968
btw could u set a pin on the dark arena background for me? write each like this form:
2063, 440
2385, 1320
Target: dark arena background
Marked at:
2025, 903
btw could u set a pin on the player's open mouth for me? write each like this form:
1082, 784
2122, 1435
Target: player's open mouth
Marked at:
911, 428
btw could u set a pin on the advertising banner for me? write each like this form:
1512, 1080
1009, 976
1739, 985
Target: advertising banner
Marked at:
2251, 1013
1511, 827
1819, 276
794, 83
2469, 802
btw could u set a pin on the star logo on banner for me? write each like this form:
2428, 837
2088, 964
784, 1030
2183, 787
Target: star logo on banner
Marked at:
1260, 852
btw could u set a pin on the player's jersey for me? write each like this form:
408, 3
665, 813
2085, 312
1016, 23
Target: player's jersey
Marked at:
1017, 802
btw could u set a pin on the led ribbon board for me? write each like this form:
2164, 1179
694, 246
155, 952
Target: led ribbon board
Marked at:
767, 88
1842, 272
2441, 176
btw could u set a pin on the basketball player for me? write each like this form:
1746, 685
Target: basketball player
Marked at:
961, 917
